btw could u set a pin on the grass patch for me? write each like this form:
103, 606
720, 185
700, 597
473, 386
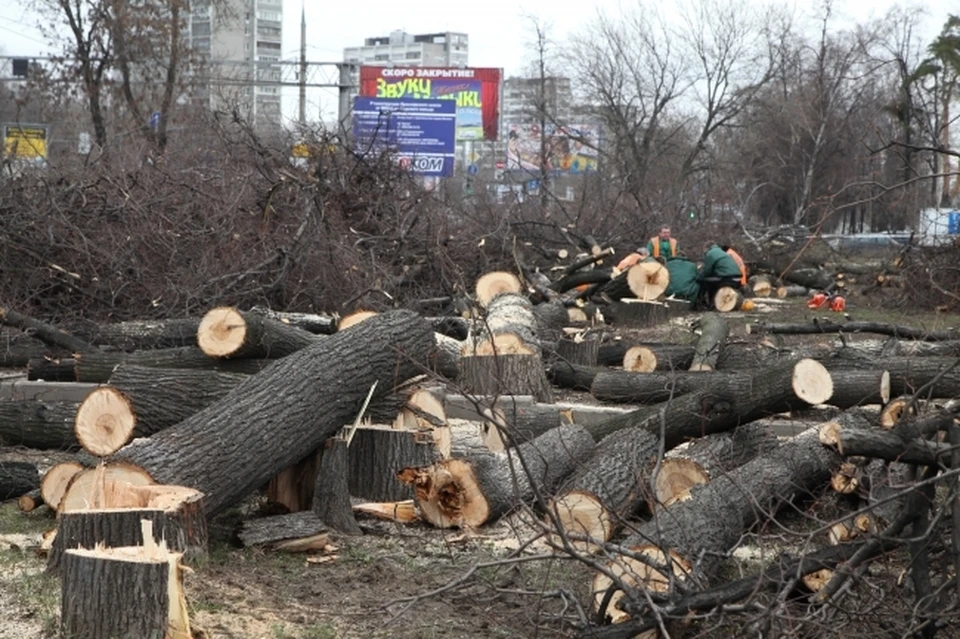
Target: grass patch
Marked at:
15, 521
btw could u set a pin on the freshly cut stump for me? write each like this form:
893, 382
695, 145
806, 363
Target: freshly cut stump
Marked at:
127, 592
493, 284
93, 487
648, 280
354, 318
226, 332
105, 422
727, 299
505, 375
473, 490
176, 514
637, 313
331, 497
55, 482
579, 350
377, 453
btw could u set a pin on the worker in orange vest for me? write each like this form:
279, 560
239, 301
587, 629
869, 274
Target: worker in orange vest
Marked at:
663, 245
739, 260
633, 258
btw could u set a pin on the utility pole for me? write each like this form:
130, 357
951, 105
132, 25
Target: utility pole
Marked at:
303, 65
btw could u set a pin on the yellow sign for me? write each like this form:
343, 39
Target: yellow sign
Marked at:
25, 141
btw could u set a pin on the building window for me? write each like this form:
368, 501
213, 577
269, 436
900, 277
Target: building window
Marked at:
413, 55
382, 57
269, 15
268, 45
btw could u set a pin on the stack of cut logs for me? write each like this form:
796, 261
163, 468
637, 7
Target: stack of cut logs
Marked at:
452, 421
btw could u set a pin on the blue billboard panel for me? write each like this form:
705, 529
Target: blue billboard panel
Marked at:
421, 134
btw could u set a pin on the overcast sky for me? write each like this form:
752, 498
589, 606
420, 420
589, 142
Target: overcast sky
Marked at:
499, 30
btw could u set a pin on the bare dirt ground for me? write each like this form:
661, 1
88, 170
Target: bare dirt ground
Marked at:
364, 590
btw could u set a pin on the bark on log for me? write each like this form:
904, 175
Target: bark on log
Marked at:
828, 326
310, 322
17, 478
706, 526
44, 332
296, 532
42, 425
851, 441
566, 375
582, 352
447, 361
472, 491
637, 314
551, 317
760, 285
808, 277
28, 502
256, 427
55, 482
505, 375
377, 453
17, 349
141, 334
225, 332
133, 591
141, 401
176, 514
713, 333
458, 328
653, 388
859, 387
509, 315
52, 369
647, 358
792, 290
331, 497
98, 367
909, 374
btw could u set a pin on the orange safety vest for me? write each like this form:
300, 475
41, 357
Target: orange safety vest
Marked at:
656, 246
743, 267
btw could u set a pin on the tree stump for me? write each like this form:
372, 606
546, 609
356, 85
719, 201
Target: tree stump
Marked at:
579, 350
331, 498
95, 487
505, 375
109, 593
377, 453
632, 313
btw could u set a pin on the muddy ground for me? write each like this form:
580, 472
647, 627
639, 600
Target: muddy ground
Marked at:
365, 588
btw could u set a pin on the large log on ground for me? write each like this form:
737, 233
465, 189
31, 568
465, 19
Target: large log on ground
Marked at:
792, 290
17, 478
18, 348
132, 591
52, 369
310, 322
698, 532
567, 375
808, 277
141, 334
939, 376
228, 333
645, 281
829, 326
176, 513
42, 425
237, 444
647, 358
45, 332
141, 401
713, 333
653, 388
472, 491
98, 367
295, 532
727, 299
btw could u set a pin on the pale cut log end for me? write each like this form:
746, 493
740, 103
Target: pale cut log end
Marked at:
501, 344
840, 533
763, 288
701, 367
55, 481
782, 292
576, 316
404, 512
865, 524
448, 494
581, 514
895, 410
633, 572
845, 481
676, 478
496, 283
491, 436
30, 501
830, 435
95, 487
727, 299
751, 329
354, 318
812, 382
105, 421
885, 387
222, 331
425, 403
815, 581
648, 280
639, 359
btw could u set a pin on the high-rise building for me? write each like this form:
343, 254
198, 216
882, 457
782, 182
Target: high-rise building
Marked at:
240, 47
521, 99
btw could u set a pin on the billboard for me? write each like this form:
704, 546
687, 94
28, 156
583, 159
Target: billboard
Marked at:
420, 133
571, 150
25, 141
475, 91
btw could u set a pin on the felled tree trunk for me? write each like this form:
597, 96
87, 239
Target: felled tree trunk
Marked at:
566, 375
132, 591
52, 369
98, 367
699, 531
142, 334
225, 332
859, 387
258, 428
472, 491
331, 497
644, 281
808, 277
310, 322
42, 425
377, 453
141, 401
727, 299
176, 514
792, 290
18, 349
653, 388
295, 532
45, 332
28, 502
448, 353
713, 333
17, 478
829, 326
647, 358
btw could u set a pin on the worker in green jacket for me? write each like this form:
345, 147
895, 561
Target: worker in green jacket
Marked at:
717, 263
683, 279
663, 246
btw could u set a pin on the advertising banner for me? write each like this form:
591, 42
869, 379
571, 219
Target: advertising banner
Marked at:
571, 150
25, 141
476, 93
420, 133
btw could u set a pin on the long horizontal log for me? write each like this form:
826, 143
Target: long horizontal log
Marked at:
228, 333
140, 334
98, 367
824, 326
310, 322
45, 332
884, 444
41, 425
939, 376
17, 349
17, 478
653, 388
52, 369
